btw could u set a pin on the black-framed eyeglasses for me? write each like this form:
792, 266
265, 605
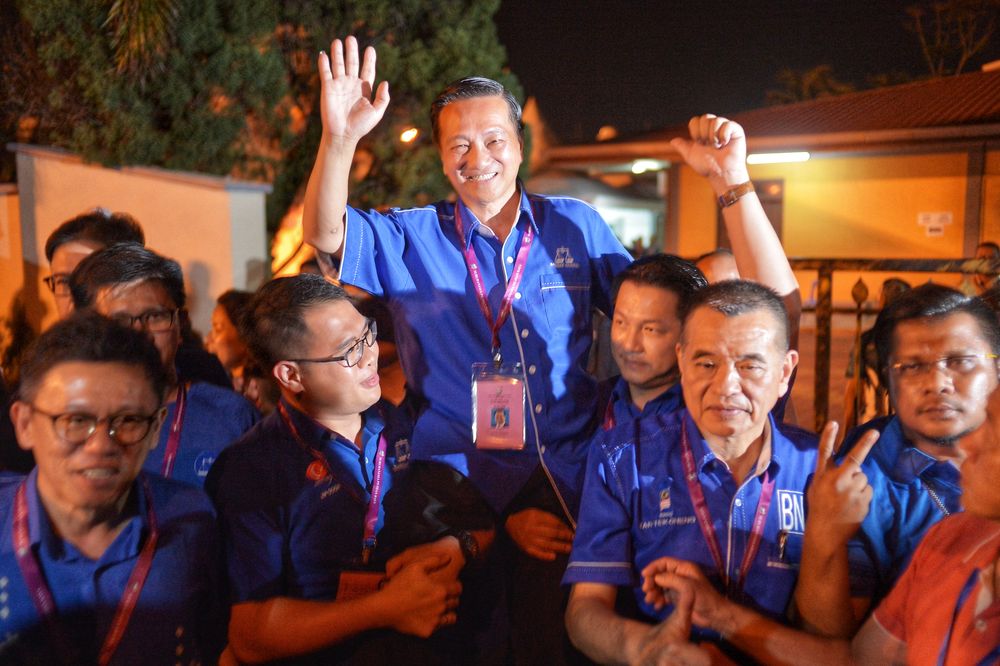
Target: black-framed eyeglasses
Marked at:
58, 284
960, 364
75, 428
153, 321
352, 356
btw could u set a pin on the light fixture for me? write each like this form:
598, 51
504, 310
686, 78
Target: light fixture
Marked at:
409, 135
777, 158
642, 166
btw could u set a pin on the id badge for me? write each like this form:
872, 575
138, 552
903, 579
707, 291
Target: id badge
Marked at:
497, 406
356, 584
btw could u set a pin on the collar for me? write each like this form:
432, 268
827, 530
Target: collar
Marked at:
906, 462
318, 435
472, 225
703, 454
40, 533
669, 399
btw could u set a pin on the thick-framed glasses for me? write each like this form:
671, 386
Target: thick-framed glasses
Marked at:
75, 428
153, 321
961, 364
352, 356
58, 284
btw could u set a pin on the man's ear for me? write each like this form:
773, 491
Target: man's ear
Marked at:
20, 416
288, 376
787, 367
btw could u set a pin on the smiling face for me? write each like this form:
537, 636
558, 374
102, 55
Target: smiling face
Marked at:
644, 333
480, 151
96, 474
330, 390
733, 370
938, 406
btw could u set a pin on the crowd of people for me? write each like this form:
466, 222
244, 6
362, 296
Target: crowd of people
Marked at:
265, 502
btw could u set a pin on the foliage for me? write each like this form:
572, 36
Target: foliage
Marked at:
229, 87
952, 31
799, 86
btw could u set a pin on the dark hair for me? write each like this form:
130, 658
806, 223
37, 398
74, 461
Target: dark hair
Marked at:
99, 226
125, 263
736, 297
275, 327
930, 301
236, 303
88, 337
467, 88
667, 272
991, 246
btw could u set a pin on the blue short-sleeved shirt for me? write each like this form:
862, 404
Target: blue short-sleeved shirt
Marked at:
636, 508
414, 258
902, 508
614, 392
180, 616
214, 418
287, 532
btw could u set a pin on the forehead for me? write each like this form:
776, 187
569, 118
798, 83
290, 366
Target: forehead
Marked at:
113, 385
638, 300
68, 256
751, 332
333, 324
952, 332
475, 115
133, 298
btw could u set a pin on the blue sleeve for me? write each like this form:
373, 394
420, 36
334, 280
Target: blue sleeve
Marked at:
608, 257
251, 525
373, 248
602, 548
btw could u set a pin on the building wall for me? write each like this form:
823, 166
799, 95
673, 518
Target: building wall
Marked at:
213, 227
859, 206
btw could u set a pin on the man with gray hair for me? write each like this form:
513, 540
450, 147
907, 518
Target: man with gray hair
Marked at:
719, 482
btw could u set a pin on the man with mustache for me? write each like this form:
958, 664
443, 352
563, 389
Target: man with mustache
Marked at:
937, 351
718, 482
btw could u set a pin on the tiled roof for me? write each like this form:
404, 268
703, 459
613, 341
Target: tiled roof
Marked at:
964, 100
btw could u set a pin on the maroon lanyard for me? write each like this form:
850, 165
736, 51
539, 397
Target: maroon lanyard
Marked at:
368, 540
472, 263
705, 517
609, 415
42, 596
174, 440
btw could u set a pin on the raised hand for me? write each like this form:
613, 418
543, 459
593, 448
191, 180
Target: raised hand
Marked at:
839, 496
540, 534
668, 643
716, 150
420, 603
346, 104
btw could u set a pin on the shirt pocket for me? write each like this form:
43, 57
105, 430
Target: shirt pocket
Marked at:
566, 302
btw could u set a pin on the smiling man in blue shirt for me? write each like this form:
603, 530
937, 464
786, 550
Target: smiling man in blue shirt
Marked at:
101, 562
718, 483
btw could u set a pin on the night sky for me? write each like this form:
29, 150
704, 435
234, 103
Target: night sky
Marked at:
644, 65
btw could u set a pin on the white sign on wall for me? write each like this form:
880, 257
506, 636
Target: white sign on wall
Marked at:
934, 222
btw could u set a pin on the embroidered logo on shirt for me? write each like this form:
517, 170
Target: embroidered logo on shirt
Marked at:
402, 455
664, 501
203, 463
791, 511
317, 471
564, 259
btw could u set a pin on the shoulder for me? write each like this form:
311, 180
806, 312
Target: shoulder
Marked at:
9, 484
797, 439
177, 501
257, 455
958, 533
203, 394
562, 204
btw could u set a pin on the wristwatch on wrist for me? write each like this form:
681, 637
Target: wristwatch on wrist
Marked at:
468, 544
731, 196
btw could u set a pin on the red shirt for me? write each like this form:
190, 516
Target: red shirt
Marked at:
921, 606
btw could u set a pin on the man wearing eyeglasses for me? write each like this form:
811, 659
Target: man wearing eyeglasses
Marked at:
308, 498
937, 351
143, 290
101, 562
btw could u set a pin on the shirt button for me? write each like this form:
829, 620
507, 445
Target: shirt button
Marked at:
738, 502
980, 625
542, 448
538, 409
532, 369
524, 332
517, 295
510, 260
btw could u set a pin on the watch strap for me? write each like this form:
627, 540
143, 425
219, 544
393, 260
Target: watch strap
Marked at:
731, 196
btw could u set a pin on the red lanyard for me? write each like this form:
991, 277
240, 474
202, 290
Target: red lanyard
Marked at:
368, 540
472, 263
705, 517
42, 596
609, 415
174, 440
